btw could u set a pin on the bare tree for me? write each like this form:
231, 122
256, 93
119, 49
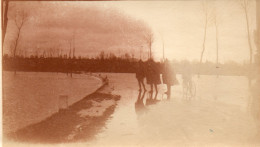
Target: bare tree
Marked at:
163, 51
149, 39
217, 46
19, 22
36, 53
60, 53
141, 52
215, 20
163, 47
102, 55
20, 19
245, 4
206, 16
70, 45
5, 7
74, 49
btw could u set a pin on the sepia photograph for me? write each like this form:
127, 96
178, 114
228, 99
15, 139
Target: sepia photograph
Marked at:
141, 73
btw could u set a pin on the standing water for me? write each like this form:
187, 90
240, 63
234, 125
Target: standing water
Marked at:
29, 97
216, 115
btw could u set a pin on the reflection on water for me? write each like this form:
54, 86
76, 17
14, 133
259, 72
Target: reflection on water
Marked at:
217, 115
151, 98
140, 108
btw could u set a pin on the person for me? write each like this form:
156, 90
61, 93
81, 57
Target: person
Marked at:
153, 74
156, 79
187, 79
149, 73
186, 75
168, 76
140, 74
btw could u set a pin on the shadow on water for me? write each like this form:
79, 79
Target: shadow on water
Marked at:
67, 125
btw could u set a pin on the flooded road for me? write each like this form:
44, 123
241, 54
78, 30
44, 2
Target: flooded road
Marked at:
218, 114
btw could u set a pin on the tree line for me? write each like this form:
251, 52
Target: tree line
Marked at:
111, 63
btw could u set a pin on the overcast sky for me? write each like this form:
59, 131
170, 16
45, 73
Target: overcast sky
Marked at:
115, 26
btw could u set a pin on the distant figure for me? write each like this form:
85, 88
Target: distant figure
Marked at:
153, 74
186, 75
140, 74
168, 76
189, 89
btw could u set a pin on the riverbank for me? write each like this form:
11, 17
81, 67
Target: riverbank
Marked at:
79, 122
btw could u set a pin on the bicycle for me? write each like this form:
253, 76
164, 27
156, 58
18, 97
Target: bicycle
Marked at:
189, 88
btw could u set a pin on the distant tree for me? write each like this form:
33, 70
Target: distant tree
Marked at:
149, 39
102, 55
112, 56
72, 50
163, 49
60, 52
70, 46
20, 19
141, 52
73, 41
133, 56
245, 4
36, 52
206, 16
215, 20
127, 56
